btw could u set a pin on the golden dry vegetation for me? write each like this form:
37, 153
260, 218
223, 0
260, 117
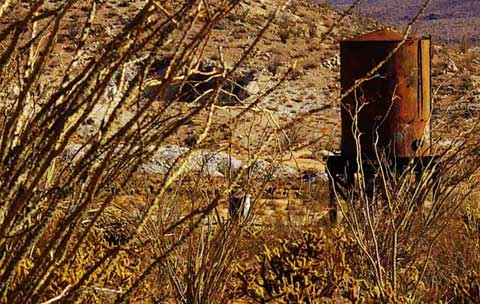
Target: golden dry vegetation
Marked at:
126, 125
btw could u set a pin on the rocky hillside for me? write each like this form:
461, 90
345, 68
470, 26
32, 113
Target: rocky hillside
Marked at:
303, 39
448, 21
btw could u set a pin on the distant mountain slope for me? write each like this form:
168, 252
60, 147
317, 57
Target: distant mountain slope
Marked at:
449, 21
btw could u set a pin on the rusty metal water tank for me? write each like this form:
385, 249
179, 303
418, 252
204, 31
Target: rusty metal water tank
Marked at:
394, 106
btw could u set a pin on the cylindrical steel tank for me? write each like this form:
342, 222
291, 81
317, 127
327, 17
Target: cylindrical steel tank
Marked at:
391, 110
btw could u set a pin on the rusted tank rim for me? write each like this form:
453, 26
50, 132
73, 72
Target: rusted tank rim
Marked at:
381, 36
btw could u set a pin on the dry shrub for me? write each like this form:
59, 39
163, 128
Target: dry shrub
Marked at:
310, 64
59, 237
466, 289
284, 34
284, 27
323, 4
302, 270
274, 65
400, 219
401, 244
312, 29
200, 271
325, 266
471, 220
